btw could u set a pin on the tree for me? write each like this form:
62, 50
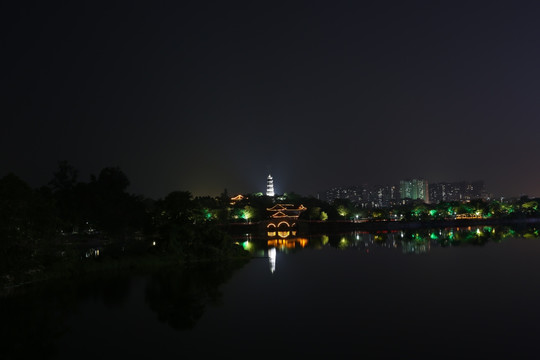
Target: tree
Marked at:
178, 206
314, 213
224, 199
530, 207
64, 185
108, 202
248, 213
324, 216
112, 181
65, 178
343, 207
27, 225
15, 202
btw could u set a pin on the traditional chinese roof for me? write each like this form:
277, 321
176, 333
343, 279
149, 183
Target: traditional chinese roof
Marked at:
286, 210
279, 214
279, 207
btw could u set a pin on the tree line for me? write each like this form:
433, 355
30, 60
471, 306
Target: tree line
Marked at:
68, 220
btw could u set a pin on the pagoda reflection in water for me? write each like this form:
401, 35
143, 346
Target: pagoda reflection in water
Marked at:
272, 259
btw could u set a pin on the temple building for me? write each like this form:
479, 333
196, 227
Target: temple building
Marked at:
284, 216
286, 211
237, 198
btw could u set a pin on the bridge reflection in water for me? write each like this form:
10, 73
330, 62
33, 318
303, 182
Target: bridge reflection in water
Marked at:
282, 242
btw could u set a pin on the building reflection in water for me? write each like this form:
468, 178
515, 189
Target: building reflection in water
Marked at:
415, 247
283, 242
281, 234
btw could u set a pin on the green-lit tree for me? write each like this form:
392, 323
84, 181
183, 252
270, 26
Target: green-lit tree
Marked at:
324, 216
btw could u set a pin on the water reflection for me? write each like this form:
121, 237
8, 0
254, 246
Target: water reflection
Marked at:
281, 234
35, 318
485, 293
179, 296
272, 259
411, 241
412, 247
287, 244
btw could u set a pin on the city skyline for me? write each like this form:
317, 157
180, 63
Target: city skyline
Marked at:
409, 190
201, 96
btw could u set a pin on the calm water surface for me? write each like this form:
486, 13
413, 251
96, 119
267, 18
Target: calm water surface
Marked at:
467, 293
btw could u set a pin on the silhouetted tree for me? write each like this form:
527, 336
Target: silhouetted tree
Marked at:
27, 225
65, 178
63, 185
110, 200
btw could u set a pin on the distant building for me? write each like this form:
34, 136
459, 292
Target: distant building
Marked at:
414, 189
383, 196
237, 198
376, 196
457, 191
352, 193
269, 186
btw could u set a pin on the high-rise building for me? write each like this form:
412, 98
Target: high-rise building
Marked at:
457, 191
269, 186
414, 189
339, 192
385, 195
365, 196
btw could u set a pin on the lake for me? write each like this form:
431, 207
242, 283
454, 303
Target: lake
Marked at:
435, 293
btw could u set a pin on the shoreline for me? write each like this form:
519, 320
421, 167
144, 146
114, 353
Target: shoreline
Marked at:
407, 225
133, 262
108, 265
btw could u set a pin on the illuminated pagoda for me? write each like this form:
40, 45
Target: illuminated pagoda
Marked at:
269, 186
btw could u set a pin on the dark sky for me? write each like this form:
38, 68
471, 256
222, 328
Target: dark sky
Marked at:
202, 96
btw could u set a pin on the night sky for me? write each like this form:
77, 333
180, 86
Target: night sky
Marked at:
203, 96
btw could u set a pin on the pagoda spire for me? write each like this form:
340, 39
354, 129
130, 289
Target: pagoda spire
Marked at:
269, 186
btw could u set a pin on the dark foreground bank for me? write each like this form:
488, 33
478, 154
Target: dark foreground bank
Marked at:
86, 255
